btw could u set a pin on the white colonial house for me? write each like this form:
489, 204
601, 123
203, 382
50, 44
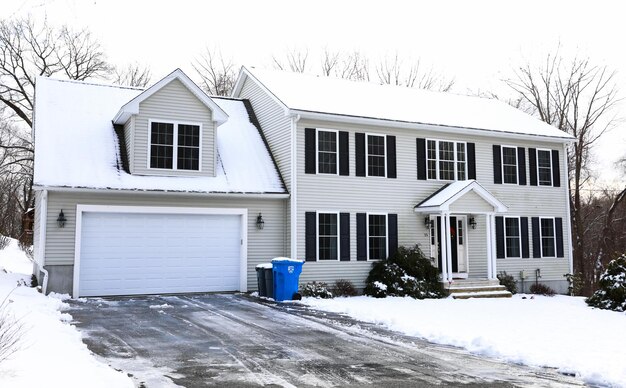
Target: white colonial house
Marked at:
168, 190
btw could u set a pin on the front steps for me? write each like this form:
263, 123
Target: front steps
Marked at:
476, 288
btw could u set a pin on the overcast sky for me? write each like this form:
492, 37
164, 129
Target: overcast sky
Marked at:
475, 42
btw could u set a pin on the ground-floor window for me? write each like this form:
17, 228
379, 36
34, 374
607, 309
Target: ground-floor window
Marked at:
328, 236
512, 236
377, 236
548, 237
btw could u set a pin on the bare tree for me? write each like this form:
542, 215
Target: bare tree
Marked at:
132, 75
353, 66
394, 71
295, 60
577, 97
217, 74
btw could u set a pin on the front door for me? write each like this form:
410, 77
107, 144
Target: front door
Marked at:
457, 240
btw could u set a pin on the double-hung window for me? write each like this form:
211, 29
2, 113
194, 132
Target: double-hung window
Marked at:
512, 236
548, 237
377, 236
327, 151
376, 155
328, 236
174, 146
509, 165
544, 167
446, 160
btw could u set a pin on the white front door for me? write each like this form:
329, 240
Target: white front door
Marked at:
458, 237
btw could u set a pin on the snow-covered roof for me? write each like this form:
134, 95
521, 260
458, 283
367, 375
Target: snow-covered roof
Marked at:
132, 107
76, 145
441, 199
306, 93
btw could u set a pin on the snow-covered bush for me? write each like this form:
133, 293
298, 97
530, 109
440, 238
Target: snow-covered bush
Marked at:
407, 273
541, 289
11, 331
344, 287
316, 290
575, 283
4, 242
611, 294
508, 282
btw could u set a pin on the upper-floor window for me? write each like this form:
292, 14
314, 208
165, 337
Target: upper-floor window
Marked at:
446, 160
548, 237
376, 155
327, 151
377, 236
544, 167
509, 164
512, 236
174, 146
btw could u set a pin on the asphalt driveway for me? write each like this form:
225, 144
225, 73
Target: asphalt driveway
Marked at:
231, 340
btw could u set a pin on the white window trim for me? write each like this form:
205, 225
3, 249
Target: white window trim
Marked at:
551, 167
367, 233
367, 162
519, 228
502, 147
317, 235
176, 123
455, 161
317, 150
541, 237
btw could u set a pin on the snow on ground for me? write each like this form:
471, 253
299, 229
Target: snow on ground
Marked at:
51, 351
560, 332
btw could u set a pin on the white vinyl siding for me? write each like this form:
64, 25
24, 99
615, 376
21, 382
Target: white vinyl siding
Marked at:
173, 103
129, 136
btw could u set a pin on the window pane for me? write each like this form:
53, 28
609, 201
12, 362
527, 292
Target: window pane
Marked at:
328, 237
544, 166
375, 155
161, 156
431, 159
509, 164
162, 133
188, 135
547, 238
459, 232
327, 141
188, 158
378, 248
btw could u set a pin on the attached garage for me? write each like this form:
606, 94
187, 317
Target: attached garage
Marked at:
124, 250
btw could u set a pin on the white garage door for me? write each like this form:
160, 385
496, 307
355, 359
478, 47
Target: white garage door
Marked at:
130, 253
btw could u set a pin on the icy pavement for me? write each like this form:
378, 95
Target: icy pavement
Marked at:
238, 341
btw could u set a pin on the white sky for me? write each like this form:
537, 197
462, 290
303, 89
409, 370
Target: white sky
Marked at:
475, 42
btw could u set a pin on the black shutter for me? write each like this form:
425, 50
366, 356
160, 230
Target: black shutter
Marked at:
521, 165
310, 251
556, 174
393, 233
359, 144
532, 165
421, 159
500, 238
497, 164
558, 229
471, 161
309, 151
361, 237
344, 154
536, 238
524, 233
344, 236
391, 156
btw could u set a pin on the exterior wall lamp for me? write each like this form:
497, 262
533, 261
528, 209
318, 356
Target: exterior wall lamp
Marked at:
428, 222
260, 224
61, 219
472, 222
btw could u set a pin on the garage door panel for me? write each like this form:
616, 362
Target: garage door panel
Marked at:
132, 253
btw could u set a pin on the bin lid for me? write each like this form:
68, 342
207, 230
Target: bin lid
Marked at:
264, 266
286, 259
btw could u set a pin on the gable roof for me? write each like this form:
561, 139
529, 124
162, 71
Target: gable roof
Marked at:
132, 106
77, 146
441, 199
308, 94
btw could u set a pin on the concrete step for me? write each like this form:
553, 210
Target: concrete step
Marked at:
464, 289
472, 283
483, 294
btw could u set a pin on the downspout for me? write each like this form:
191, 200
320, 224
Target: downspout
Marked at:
42, 240
294, 186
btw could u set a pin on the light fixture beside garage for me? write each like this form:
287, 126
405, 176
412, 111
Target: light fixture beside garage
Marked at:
61, 219
260, 224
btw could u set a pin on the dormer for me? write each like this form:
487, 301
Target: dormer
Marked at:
170, 129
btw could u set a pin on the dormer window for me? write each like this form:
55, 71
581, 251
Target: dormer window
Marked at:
174, 146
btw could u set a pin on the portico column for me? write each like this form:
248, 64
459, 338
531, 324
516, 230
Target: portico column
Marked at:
448, 246
489, 244
443, 249
494, 269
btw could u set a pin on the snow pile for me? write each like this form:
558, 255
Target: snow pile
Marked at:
76, 117
51, 351
561, 332
309, 93
13, 259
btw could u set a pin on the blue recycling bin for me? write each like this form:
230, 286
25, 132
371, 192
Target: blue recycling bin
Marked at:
286, 277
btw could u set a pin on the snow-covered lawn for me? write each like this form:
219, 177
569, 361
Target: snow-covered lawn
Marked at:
560, 332
51, 352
